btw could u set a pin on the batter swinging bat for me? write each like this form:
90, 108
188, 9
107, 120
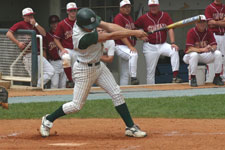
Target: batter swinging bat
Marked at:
179, 24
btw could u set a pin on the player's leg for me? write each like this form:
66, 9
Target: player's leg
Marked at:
62, 79
108, 83
48, 71
166, 50
27, 63
55, 77
124, 72
151, 58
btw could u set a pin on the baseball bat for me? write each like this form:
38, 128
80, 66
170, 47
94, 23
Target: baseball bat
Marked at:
178, 24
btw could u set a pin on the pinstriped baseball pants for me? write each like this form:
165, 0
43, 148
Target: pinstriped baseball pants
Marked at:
84, 77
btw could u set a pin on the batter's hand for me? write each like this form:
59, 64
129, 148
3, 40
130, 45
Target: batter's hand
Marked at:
174, 46
21, 45
140, 34
63, 51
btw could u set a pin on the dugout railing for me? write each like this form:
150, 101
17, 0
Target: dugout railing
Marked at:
11, 57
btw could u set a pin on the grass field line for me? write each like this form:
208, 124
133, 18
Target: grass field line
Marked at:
126, 94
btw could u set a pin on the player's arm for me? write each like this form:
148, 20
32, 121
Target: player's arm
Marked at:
220, 23
40, 29
11, 36
107, 59
198, 50
172, 39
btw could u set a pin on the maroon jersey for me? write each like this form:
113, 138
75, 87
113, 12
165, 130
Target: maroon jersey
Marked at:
150, 22
126, 22
26, 26
51, 48
199, 39
216, 12
64, 33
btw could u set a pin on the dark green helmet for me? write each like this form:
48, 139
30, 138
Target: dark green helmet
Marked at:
86, 18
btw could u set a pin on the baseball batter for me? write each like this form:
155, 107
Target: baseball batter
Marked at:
63, 39
59, 78
156, 45
201, 47
89, 70
125, 47
215, 13
29, 23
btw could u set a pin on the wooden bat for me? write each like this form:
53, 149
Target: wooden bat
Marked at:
178, 24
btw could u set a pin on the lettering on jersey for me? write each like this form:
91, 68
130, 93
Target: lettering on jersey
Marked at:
52, 45
68, 34
129, 26
201, 44
155, 27
218, 16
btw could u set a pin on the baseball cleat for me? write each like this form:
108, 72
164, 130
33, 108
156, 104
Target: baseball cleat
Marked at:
193, 82
135, 131
177, 80
46, 125
218, 81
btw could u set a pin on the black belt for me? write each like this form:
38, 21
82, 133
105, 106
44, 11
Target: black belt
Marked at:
90, 64
219, 33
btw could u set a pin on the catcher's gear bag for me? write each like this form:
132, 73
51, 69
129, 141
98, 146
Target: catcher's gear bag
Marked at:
4, 98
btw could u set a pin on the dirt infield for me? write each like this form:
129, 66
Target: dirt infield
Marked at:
108, 134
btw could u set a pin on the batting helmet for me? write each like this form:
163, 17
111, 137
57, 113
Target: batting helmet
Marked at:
53, 19
86, 18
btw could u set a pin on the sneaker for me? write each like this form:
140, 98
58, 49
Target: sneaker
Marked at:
177, 80
70, 84
193, 82
46, 125
134, 81
135, 131
218, 81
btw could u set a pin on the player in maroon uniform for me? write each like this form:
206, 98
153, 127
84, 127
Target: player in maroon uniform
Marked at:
63, 39
215, 13
125, 47
59, 78
201, 47
29, 23
156, 45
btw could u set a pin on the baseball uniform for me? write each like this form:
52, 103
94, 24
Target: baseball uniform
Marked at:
217, 12
109, 47
128, 58
200, 40
59, 78
156, 44
48, 70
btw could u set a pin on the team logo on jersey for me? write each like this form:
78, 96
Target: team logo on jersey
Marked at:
68, 34
130, 26
155, 27
51, 45
92, 19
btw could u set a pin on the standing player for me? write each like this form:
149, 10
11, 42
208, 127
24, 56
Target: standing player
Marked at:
59, 78
89, 70
201, 47
215, 13
125, 47
63, 40
108, 48
156, 45
29, 23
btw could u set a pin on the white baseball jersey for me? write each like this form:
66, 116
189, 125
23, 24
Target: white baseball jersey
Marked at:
90, 70
109, 47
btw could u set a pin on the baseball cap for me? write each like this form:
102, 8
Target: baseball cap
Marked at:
71, 6
124, 2
53, 19
153, 2
27, 11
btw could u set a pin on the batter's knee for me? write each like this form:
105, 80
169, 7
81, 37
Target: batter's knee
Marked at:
117, 97
72, 107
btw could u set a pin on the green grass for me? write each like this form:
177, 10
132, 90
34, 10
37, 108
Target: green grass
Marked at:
209, 106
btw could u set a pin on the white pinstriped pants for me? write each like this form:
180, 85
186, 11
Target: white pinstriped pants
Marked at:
128, 64
84, 77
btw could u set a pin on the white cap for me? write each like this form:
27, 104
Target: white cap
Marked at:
27, 11
124, 2
71, 6
202, 18
153, 2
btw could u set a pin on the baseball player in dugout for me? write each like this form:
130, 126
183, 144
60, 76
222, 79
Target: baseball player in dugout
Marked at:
52, 51
63, 40
201, 47
29, 23
88, 69
215, 13
125, 47
156, 45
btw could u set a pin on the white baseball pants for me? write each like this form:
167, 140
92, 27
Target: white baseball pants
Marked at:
59, 78
194, 58
48, 70
84, 77
128, 63
152, 53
